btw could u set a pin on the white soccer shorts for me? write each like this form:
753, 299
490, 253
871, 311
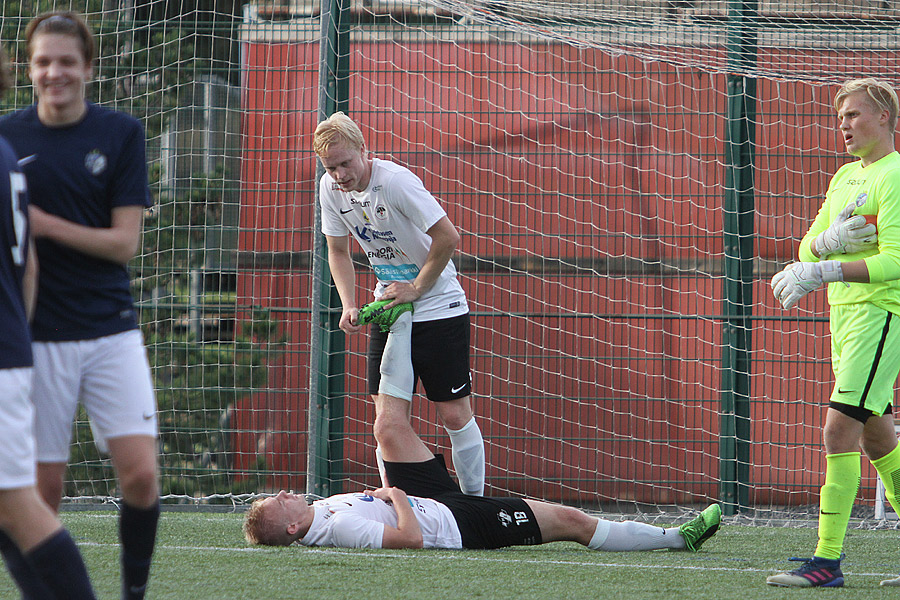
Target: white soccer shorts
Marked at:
109, 376
17, 468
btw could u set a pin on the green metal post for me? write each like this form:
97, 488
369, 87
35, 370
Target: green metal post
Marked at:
325, 418
737, 221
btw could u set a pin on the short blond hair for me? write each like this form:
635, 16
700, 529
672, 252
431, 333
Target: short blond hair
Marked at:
881, 94
261, 528
337, 129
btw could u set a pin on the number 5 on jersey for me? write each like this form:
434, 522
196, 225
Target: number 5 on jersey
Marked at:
20, 220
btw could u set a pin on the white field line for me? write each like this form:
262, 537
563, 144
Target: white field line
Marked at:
468, 556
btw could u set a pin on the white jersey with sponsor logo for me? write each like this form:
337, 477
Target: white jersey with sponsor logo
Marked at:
389, 220
357, 521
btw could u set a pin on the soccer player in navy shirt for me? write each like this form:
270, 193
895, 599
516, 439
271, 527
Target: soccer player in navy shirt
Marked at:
87, 179
36, 546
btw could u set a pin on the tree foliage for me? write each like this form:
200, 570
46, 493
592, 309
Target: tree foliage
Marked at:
148, 59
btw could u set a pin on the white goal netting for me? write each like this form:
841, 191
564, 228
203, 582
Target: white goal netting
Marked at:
585, 152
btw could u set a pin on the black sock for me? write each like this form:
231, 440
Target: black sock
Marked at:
23, 574
137, 532
59, 565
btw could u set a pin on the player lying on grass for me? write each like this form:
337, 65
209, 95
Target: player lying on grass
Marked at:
425, 508
438, 515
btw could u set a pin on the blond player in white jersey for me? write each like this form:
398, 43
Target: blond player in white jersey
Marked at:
409, 242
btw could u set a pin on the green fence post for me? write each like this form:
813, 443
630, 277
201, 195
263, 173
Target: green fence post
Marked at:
325, 417
738, 230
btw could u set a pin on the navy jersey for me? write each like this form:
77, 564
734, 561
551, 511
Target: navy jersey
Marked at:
15, 341
80, 173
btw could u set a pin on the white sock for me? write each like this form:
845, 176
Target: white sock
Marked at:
467, 449
379, 460
397, 378
612, 536
600, 534
396, 369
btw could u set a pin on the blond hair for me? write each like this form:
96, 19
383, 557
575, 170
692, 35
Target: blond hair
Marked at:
261, 528
881, 94
337, 129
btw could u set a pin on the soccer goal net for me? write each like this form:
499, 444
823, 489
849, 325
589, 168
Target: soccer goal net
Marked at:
626, 176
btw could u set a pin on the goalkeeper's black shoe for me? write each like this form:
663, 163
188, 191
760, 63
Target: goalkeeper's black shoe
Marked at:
374, 312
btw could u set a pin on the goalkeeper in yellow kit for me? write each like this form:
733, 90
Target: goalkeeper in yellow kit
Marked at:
860, 260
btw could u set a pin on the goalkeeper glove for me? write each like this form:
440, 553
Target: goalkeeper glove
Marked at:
848, 234
800, 278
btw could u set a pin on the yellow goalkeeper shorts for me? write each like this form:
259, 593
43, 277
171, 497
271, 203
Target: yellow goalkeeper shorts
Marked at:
865, 357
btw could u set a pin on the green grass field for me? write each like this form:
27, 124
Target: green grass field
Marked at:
203, 555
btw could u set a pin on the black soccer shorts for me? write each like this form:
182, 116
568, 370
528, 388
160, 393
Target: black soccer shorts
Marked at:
484, 523
440, 357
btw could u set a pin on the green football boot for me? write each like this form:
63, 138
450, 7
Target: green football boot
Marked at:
702, 527
374, 312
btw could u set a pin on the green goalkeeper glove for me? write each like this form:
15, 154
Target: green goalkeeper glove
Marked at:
848, 234
800, 278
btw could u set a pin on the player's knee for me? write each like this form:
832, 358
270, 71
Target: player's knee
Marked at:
50, 485
572, 520
140, 486
877, 444
562, 523
8, 512
455, 414
51, 489
387, 425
